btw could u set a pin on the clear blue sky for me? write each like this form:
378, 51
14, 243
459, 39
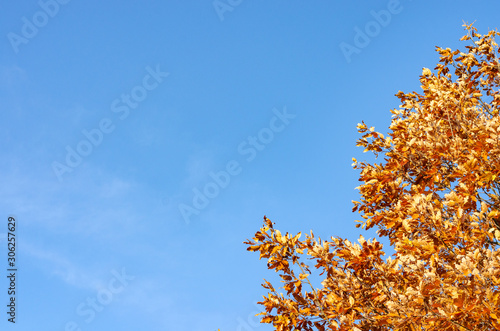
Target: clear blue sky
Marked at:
143, 141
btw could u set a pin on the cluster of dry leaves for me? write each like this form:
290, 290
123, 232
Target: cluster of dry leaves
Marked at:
436, 197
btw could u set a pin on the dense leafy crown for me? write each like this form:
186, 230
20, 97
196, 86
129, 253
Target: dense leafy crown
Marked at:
435, 197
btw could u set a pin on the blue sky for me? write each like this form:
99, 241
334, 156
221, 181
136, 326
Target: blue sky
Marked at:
143, 142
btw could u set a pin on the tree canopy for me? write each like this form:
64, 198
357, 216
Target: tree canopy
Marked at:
435, 197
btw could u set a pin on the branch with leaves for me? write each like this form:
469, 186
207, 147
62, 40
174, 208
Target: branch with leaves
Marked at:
435, 198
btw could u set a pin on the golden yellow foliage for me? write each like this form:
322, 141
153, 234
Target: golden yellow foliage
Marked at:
437, 200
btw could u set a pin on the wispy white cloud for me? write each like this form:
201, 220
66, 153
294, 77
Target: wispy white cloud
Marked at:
56, 264
115, 188
11, 76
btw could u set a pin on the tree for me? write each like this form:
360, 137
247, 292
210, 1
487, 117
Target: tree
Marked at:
436, 198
